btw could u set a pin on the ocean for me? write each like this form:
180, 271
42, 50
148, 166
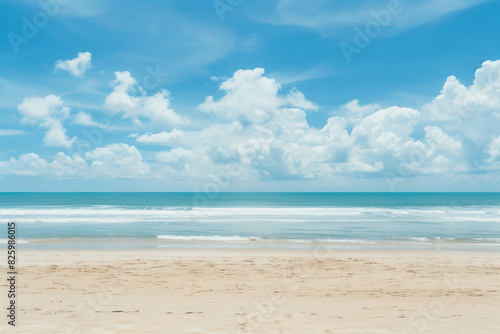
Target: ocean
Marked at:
436, 221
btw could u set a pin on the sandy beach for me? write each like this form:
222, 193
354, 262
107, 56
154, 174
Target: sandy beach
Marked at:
252, 291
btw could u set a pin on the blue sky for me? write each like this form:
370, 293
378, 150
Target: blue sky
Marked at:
250, 95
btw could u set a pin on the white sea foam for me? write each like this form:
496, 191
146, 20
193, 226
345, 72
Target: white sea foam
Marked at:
208, 238
236, 238
18, 241
402, 240
446, 240
112, 214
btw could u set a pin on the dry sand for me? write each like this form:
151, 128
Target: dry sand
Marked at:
250, 291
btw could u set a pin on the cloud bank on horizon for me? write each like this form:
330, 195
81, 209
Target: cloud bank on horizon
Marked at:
261, 133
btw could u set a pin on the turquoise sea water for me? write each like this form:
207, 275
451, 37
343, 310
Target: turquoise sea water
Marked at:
254, 220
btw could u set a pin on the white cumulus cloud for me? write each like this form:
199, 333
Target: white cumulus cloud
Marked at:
117, 160
48, 112
265, 134
261, 133
250, 97
472, 110
76, 66
112, 161
493, 150
130, 101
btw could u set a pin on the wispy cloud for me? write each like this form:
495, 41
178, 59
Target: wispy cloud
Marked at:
331, 17
296, 76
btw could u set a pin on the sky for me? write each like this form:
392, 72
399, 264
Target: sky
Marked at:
240, 95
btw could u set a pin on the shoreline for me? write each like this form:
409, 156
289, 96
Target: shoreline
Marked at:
127, 245
264, 252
